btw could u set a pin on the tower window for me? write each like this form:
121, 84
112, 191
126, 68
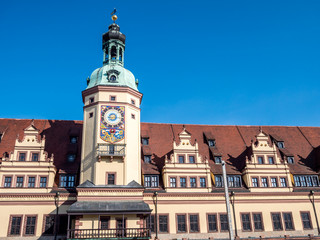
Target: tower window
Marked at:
91, 100
91, 115
113, 53
280, 144
111, 178
112, 98
120, 54
133, 116
113, 78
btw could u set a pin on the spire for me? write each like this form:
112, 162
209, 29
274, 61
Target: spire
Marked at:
113, 43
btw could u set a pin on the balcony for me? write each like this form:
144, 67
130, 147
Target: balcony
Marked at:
125, 233
111, 150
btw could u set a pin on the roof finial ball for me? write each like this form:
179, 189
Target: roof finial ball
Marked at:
114, 17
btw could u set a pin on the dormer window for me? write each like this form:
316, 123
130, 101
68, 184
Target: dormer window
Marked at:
145, 141
218, 160
22, 157
211, 143
147, 158
181, 159
280, 144
290, 159
73, 139
71, 157
35, 157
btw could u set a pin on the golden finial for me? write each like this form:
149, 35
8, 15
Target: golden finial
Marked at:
114, 17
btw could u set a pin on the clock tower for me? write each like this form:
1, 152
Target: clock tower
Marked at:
111, 127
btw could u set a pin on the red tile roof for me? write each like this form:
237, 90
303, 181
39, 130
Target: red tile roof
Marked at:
232, 142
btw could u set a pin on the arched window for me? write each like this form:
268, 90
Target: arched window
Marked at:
120, 55
113, 53
113, 78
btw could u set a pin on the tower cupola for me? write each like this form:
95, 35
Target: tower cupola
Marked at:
113, 73
113, 45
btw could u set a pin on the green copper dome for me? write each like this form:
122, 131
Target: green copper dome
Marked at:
112, 75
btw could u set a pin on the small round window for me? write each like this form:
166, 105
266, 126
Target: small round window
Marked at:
112, 78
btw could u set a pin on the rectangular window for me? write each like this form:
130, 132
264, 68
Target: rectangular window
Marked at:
182, 227
15, 225
194, 223
212, 223
288, 223
224, 226
133, 102
255, 182
49, 225
234, 181
43, 182
274, 182
30, 225
91, 100
315, 181
35, 157
111, 178
22, 157
297, 181
19, 183
260, 160
193, 182
112, 98
191, 159
67, 181
218, 181
163, 223
217, 160
306, 221
290, 160
270, 160
264, 182
145, 141
31, 182
151, 181
147, 158
104, 222
203, 182
91, 115
246, 222
303, 181
276, 221
181, 159
7, 182
150, 223
183, 182
257, 220
283, 182
173, 182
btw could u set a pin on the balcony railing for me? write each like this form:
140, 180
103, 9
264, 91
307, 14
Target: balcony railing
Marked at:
127, 233
110, 150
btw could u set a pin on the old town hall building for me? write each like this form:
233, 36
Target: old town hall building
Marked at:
112, 177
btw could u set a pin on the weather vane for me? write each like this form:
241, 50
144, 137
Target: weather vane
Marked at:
114, 17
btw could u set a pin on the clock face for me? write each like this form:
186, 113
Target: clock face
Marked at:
112, 117
112, 127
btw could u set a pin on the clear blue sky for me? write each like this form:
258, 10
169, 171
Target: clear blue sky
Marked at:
198, 62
